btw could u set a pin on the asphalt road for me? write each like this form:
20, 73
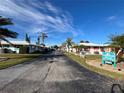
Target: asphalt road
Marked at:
55, 73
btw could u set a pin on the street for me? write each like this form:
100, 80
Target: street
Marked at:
54, 73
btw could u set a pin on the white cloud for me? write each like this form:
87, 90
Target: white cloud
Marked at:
39, 16
51, 7
111, 18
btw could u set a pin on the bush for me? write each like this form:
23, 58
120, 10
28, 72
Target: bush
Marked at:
37, 52
8, 50
96, 52
24, 49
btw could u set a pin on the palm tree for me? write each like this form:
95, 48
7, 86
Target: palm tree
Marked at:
27, 38
117, 40
4, 32
69, 43
43, 36
38, 40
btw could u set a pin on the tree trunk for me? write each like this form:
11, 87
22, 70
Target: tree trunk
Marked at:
0, 46
68, 48
119, 55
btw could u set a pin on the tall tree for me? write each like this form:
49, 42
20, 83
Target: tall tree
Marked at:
43, 36
27, 38
117, 40
4, 32
69, 43
87, 42
38, 40
82, 41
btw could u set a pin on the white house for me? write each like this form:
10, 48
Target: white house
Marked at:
17, 44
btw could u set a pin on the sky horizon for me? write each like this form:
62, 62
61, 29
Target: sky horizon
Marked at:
91, 20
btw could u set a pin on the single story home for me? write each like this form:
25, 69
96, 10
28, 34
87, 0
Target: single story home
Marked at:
19, 47
92, 48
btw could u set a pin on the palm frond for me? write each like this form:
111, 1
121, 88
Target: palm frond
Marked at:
117, 40
6, 41
5, 21
7, 33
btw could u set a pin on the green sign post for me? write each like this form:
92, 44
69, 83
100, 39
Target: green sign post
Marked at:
109, 58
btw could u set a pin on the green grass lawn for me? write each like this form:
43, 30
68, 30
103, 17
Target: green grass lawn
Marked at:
82, 61
97, 58
15, 59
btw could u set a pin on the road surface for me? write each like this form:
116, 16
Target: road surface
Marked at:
55, 73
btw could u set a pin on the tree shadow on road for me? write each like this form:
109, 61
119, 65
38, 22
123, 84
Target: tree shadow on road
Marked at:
116, 88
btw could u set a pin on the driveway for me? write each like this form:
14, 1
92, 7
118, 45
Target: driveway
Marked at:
55, 73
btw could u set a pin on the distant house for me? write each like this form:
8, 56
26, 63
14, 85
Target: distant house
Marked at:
19, 47
92, 48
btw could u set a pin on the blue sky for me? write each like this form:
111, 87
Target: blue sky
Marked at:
92, 20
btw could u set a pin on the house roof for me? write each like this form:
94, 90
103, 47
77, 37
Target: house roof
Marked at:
16, 43
92, 44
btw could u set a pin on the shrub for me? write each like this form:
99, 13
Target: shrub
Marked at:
23, 49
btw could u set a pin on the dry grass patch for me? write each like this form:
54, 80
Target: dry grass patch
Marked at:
14, 59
